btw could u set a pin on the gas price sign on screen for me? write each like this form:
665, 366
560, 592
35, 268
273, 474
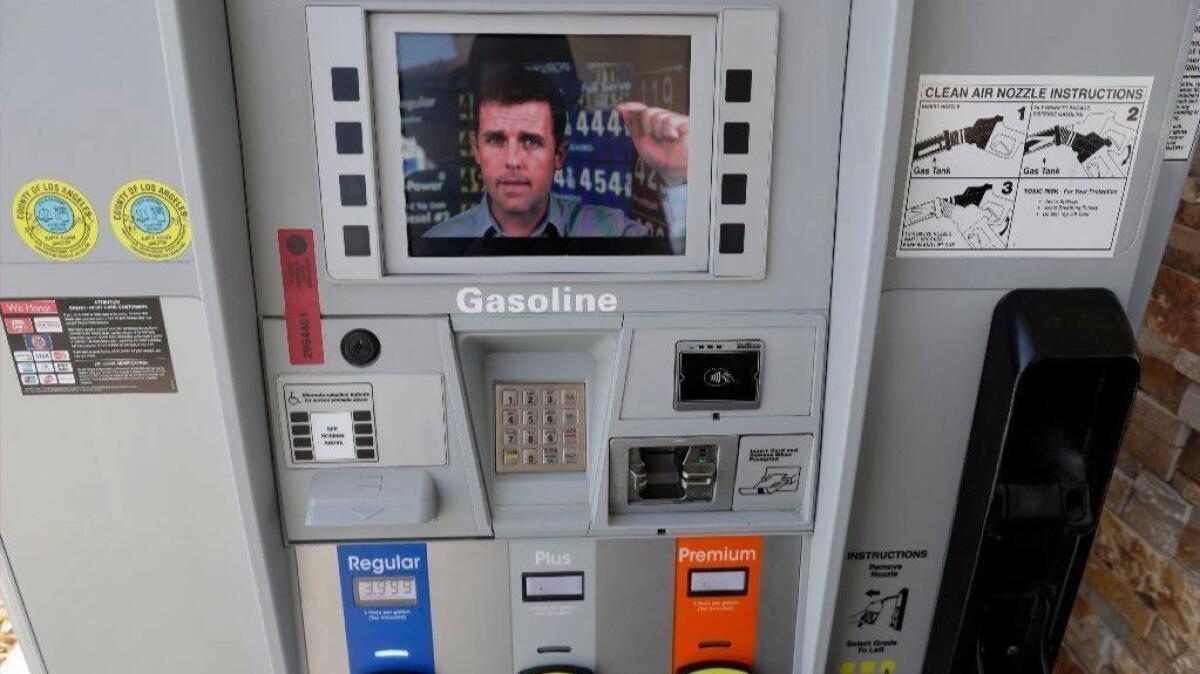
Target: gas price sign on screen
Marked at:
385, 591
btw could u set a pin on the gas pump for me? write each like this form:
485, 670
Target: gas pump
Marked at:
568, 338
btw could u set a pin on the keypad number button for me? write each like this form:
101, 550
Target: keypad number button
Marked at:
508, 398
508, 418
549, 418
529, 457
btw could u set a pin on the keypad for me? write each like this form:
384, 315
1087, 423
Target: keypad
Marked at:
540, 427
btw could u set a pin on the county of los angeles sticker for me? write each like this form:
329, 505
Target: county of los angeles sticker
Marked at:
55, 219
151, 220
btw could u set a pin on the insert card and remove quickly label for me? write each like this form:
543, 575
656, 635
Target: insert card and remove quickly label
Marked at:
1020, 166
89, 345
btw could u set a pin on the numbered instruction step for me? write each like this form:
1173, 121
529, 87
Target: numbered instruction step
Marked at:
1020, 166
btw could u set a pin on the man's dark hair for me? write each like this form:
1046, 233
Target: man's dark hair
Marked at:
518, 85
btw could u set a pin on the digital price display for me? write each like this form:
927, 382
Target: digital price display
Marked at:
373, 591
718, 582
565, 586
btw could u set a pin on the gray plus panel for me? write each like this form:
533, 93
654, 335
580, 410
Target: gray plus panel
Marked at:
554, 629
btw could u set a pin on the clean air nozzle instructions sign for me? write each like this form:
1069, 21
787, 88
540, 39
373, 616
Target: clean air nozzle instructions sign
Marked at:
1020, 166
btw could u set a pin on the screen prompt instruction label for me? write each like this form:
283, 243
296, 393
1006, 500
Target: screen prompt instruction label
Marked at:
1020, 166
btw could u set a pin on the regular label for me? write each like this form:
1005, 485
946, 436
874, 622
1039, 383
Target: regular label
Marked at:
1182, 137
89, 345
1020, 166
151, 220
55, 219
385, 607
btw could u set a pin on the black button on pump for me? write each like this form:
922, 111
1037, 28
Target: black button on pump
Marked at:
360, 347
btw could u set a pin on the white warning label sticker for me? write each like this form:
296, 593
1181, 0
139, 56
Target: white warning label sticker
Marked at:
1020, 166
1182, 137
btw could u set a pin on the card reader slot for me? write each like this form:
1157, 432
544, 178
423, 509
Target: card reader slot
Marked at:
672, 474
716, 644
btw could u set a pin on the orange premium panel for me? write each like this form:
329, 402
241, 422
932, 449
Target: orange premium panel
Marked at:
716, 600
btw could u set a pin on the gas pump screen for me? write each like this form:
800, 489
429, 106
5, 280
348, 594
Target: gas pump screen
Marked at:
552, 586
718, 582
543, 144
385, 591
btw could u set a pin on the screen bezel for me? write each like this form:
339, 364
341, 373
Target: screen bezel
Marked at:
382, 28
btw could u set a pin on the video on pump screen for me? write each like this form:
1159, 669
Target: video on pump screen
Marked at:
544, 144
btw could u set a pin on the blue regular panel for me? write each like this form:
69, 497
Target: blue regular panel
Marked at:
385, 598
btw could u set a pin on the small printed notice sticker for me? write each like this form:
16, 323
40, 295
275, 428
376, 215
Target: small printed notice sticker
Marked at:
1020, 166
151, 220
55, 219
1182, 137
89, 345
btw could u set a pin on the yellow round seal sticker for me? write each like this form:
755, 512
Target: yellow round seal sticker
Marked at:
151, 220
55, 219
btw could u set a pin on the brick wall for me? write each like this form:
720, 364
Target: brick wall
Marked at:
1138, 611
8, 639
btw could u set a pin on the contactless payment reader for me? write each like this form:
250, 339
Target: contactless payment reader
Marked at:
571, 337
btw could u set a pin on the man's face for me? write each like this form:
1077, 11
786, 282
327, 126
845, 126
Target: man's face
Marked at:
514, 147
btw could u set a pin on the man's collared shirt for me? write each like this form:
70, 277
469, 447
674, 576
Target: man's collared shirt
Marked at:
565, 217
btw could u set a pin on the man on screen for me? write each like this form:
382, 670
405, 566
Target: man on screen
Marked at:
519, 142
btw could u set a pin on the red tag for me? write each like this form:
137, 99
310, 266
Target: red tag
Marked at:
29, 307
301, 301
